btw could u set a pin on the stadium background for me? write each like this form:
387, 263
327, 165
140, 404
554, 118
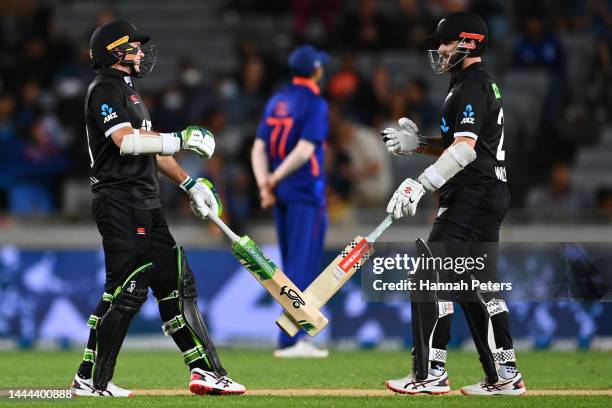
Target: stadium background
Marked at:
218, 62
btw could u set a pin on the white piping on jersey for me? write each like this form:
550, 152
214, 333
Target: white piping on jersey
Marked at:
466, 134
117, 127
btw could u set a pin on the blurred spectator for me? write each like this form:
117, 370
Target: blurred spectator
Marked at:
200, 97
314, 20
352, 92
419, 109
246, 104
366, 28
8, 145
369, 164
604, 202
412, 25
559, 198
539, 47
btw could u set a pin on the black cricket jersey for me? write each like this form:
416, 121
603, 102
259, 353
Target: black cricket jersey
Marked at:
113, 103
473, 108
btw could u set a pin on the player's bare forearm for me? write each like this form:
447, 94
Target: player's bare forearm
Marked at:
434, 146
296, 159
259, 161
169, 167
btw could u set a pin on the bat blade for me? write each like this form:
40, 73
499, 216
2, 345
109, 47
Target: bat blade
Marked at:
296, 304
333, 277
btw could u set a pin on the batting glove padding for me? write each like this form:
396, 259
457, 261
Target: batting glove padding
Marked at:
203, 196
405, 140
405, 199
199, 140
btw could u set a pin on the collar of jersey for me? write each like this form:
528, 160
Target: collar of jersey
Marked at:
461, 75
308, 83
116, 73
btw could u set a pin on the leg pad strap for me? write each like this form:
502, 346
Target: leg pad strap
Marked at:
193, 354
173, 325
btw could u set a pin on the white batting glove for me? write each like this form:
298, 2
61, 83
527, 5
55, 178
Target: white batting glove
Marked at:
203, 196
197, 139
405, 140
405, 199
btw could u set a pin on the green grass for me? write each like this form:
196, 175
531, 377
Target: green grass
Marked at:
287, 402
257, 369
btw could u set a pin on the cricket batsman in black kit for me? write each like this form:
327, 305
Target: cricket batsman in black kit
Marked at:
470, 175
125, 157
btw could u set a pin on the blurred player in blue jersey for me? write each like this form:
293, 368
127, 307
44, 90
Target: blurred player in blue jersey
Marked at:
287, 160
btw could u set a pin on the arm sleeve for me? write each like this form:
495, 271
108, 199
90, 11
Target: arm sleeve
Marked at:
106, 106
315, 123
471, 108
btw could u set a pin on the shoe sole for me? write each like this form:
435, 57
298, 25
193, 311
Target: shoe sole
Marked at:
75, 393
130, 395
202, 390
404, 392
518, 394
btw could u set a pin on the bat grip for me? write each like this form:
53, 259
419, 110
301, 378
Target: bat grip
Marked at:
380, 228
226, 230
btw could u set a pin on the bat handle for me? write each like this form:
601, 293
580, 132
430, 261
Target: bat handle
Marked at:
226, 230
380, 228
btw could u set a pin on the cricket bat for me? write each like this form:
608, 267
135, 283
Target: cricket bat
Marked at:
337, 273
301, 309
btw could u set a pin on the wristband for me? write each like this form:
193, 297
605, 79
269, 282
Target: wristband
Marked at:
187, 184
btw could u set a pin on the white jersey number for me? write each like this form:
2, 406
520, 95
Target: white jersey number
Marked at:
501, 153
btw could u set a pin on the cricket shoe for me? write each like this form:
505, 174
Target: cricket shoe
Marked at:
512, 386
83, 387
433, 384
208, 383
301, 349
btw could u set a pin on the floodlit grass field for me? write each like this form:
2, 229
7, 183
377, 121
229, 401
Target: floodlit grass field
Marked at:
364, 371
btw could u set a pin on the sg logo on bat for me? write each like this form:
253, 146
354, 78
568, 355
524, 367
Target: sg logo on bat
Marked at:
292, 294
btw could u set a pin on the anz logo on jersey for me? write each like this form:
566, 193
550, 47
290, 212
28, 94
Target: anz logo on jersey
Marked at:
108, 113
468, 115
443, 126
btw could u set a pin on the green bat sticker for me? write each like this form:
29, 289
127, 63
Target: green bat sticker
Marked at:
251, 256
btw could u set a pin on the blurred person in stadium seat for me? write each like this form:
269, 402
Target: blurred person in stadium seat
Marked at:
411, 25
559, 199
351, 92
9, 146
369, 165
40, 162
418, 106
381, 84
287, 159
244, 106
200, 96
314, 20
366, 29
604, 202
538, 47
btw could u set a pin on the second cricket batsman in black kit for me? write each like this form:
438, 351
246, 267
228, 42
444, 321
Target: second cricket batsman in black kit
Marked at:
470, 175
125, 157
